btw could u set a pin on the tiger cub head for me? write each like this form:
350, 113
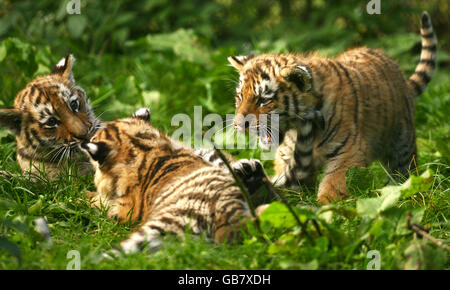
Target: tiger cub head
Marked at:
272, 84
114, 147
50, 117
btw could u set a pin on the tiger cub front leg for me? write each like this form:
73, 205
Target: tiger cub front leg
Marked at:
298, 166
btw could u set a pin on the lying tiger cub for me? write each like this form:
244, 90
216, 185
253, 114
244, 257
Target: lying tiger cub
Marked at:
144, 176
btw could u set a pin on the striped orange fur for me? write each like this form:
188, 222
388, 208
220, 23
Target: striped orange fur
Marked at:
50, 116
366, 104
144, 176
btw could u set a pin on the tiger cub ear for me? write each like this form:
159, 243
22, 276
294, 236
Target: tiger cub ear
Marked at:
98, 151
11, 120
300, 75
64, 68
143, 114
238, 62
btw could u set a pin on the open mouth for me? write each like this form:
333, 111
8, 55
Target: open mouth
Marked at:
266, 138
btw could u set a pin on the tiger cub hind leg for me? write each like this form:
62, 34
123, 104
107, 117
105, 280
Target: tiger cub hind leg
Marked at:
333, 185
402, 156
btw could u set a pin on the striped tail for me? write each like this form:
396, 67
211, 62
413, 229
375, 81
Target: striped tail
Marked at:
424, 70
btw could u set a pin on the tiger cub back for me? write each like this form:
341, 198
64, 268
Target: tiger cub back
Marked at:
144, 176
50, 117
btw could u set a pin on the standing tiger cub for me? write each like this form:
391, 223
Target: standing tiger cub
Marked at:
144, 176
50, 117
367, 104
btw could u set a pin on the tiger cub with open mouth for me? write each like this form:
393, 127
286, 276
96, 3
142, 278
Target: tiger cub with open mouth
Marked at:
364, 104
142, 175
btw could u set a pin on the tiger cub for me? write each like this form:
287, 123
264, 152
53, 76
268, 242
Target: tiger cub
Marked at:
50, 117
142, 175
367, 104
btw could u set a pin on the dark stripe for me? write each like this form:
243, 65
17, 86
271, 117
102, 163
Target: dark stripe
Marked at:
334, 67
432, 48
172, 222
301, 153
286, 102
331, 133
424, 76
304, 138
28, 137
265, 76
141, 168
141, 146
168, 169
416, 86
337, 150
232, 212
428, 35
116, 131
300, 165
425, 21
153, 227
355, 96
146, 180
430, 62
333, 113
295, 101
275, 96
237, 60
36, 136
107, 134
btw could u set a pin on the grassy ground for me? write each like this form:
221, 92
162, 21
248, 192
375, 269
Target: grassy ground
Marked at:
172, 79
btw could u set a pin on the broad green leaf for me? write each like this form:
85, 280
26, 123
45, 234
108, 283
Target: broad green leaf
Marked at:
398, 217
368, 207
279, 216
411, 186
371, 207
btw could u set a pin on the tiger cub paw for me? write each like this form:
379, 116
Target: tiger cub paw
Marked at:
329, 194
143, 114
251, 173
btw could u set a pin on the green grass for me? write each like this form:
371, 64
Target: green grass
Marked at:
172, 80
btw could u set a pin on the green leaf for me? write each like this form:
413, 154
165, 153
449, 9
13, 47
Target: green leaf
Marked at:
371, 207
411, 186
398, 217
279, 216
